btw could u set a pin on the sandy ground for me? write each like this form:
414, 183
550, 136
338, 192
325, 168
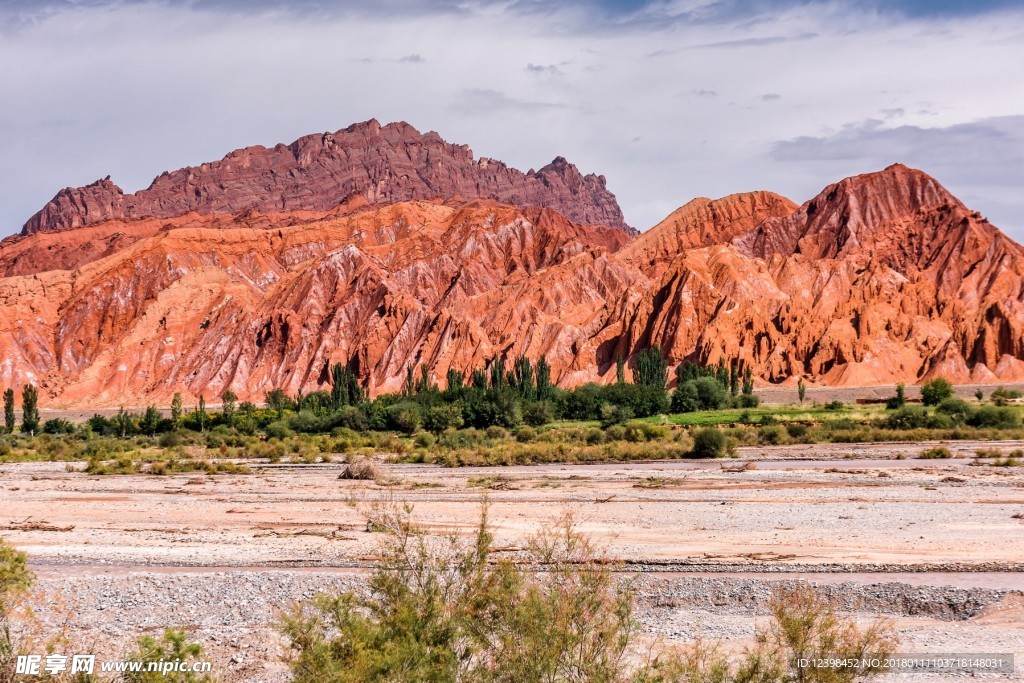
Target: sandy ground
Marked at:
933, 543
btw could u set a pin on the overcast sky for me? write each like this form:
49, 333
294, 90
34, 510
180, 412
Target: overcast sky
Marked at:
669, 100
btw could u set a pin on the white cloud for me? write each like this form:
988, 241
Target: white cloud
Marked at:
672, 102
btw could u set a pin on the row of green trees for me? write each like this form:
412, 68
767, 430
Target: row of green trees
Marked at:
497, 394
29, 410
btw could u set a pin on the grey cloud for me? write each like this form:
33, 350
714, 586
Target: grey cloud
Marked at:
770, 97
705, 93
485, 100
412, 59
543, 69
757, 42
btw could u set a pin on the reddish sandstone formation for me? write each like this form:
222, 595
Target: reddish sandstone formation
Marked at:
704, 222
881, 278
385, 164
198, 307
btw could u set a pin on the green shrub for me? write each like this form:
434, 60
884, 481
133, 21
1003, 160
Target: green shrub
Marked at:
958, 410
170, 439
995, 417
405, 416
615, 414
1001, 395
615, 433
749, 401
936, 391
305, 421
560, 614
58, 426
709, 443
834, 405
349, 417
496, 433
279, 430
638, 432
935, 453
908, 417
770, 435
538, 413
796, 430
172, 646
525, 434
440, 418
425, 440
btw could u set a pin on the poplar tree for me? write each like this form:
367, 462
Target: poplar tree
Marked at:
29, 409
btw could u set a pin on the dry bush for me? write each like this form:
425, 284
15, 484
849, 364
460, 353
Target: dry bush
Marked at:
445, 609
363, 470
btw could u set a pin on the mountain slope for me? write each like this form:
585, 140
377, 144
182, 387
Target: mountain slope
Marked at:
384, 164
881, 278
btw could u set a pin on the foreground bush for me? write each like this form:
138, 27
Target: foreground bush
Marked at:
710, 443
446, 610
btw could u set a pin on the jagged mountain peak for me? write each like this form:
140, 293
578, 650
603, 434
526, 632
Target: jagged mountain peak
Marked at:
386, 164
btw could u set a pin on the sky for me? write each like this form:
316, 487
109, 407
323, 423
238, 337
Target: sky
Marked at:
668, 99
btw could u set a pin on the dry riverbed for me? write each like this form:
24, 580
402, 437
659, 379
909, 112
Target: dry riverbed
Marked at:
937, 545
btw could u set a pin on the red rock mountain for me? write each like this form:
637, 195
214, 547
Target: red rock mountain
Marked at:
384, 164
881, 278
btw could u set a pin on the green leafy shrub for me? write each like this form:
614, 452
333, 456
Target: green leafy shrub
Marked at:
710, 443
58, 426
439, 418
935, 453
447, 610
958, 410
936, 391
172, 646
796, 430
538, 413
279, 430
908, 417
994, 416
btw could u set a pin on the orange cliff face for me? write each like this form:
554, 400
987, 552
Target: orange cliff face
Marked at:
881, 278
200, 305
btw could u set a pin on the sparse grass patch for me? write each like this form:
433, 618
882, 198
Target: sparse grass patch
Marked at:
658, 482
935, 453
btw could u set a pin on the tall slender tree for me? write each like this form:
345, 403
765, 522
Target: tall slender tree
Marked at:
543, 379
177, 407
29, 409
522, 375
228, 402
9, 423
201, 410
801, 389
479, 379
123, 422
150, 421
620, 370
748, 382
497, 373
651, 369
455, 379
409, 389
734, 379
345, 387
